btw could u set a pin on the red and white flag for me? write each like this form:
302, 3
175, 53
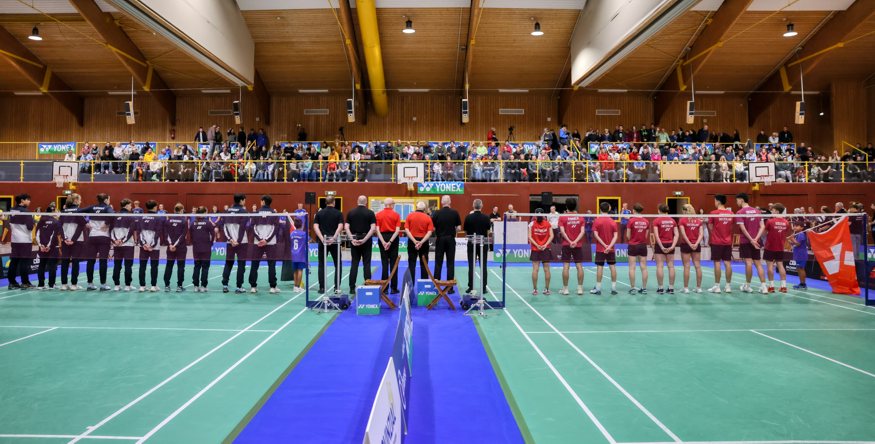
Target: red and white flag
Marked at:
835, 254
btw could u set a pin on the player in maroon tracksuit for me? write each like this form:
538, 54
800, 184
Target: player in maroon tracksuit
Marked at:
175, 231
48, 231
122, 237
72, 241
202, 234
264, 243
149, 228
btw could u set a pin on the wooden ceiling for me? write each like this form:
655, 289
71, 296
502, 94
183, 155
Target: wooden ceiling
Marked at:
303, 49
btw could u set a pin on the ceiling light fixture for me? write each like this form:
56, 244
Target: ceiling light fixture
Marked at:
34, 34
537, 31
791, 31
408, 27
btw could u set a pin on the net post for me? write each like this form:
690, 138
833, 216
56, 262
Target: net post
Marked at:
504, 262
306, 226
866, 270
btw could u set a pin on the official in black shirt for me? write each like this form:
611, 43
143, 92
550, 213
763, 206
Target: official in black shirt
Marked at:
446, 223
361, 224
476, 224
327, 224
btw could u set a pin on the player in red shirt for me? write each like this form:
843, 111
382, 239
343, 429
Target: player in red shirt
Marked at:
777, 229
720, 231
638, 233
749, 247
692, 233
604, 230
571, 230
540, 239
665, 230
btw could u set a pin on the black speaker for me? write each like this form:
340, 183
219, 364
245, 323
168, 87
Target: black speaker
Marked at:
546, 199
310, 198
235, 110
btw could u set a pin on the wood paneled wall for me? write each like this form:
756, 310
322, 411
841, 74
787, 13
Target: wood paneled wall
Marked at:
849, 111
412, 116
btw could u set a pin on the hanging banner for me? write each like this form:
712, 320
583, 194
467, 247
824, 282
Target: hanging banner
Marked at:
51, 148
835, 254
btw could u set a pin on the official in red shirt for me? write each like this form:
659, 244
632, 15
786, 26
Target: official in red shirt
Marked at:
419, 228
691, 245
540, 239
389, 229
604, 230
571, 229
777, 230
665, 230
720, 231
638, 233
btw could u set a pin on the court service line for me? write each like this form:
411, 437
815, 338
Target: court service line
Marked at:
559, 376
87, 327
791, 293
178, 372
728, 330
834, 361
28, 336
226, 372
32, 436
218, 379
622, 390
793, 441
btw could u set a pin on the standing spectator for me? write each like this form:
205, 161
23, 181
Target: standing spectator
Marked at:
785, 136
200, 136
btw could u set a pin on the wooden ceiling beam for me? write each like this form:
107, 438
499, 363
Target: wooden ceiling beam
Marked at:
711, 38
473, 21
41, 75
828, 38
128, 54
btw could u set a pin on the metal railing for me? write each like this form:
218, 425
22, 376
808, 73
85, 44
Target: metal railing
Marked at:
458, 170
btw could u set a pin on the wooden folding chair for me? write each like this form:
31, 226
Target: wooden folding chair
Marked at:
384, 284
442, 287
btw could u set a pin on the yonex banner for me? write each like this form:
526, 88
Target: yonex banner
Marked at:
440, 188
48, 148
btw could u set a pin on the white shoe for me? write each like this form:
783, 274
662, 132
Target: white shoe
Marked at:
197, 289
274, 290
74, 287
714, 289
580, 291
698, 290
153, 289
745, 288
686, 290
728, 289
40, 287
297, 289
764, 289
127, 288
254, 290
142, 289
564, 292
63, 287
117, 288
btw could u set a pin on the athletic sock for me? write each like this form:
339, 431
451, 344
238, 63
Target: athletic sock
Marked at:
598, 286
784, 284
614, 285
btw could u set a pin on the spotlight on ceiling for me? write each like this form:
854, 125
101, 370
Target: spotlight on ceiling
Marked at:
791, 32
408, 27
34, 34
537, 31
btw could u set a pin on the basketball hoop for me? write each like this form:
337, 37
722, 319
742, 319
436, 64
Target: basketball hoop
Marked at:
60, 180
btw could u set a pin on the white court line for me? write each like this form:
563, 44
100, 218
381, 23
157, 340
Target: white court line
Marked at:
178, 372
218, 379
628, 396
792, 293
91, 429
85, 327
728, 330
759, 442
834, 361
28, 336
24, 436
559, 376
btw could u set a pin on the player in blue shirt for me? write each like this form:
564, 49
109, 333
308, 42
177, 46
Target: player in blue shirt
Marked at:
299, 252
799, 242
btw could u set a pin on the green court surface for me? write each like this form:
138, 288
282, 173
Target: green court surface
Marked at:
167, 367
694, 368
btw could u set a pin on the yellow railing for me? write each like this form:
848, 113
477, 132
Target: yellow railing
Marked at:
539, 170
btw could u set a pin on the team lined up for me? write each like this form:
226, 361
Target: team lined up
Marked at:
759, 241
90, 233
